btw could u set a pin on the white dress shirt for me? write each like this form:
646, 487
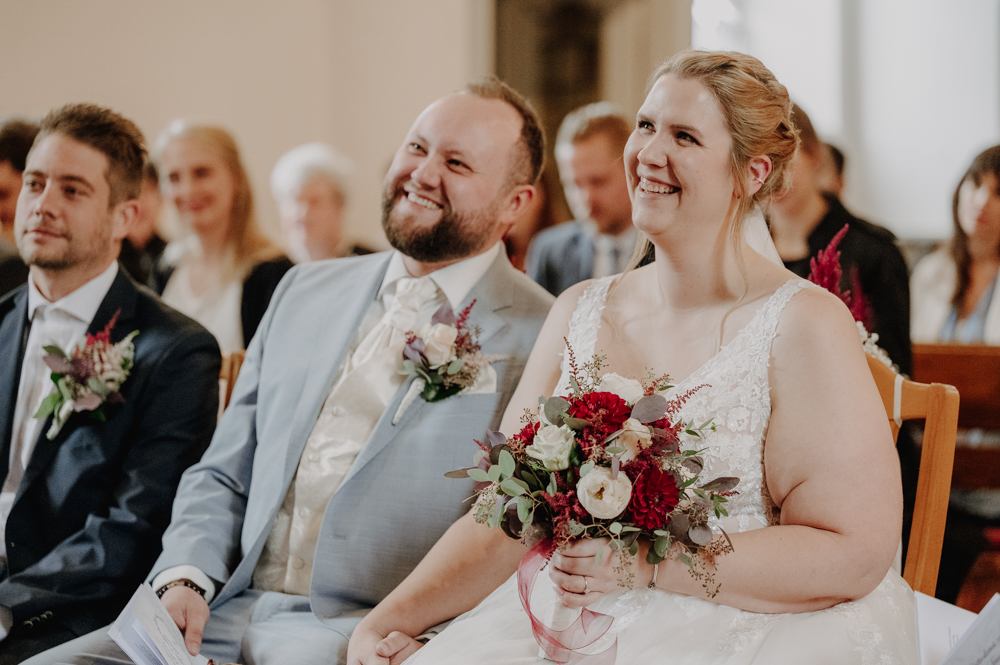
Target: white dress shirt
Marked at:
611, 253
340, 433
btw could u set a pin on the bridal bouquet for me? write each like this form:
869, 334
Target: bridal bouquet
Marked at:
87, 377
606, 461
444, 354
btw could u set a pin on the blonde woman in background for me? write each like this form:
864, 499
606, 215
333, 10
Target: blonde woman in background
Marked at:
223, 272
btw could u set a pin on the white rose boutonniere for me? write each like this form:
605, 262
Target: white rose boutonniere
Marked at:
552, 446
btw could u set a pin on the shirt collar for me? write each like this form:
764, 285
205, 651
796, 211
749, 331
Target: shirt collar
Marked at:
82, 303
455, 281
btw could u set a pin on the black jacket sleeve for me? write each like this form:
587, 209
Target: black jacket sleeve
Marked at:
257, 290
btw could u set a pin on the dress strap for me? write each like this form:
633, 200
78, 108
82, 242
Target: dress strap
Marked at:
583, 326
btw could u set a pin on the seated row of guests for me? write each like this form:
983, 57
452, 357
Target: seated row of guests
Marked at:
304, 461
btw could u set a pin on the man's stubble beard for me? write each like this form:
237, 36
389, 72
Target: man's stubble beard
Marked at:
71, 257
455, 236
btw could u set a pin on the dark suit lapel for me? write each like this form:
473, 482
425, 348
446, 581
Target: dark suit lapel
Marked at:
13, 326
491, 299
121, 297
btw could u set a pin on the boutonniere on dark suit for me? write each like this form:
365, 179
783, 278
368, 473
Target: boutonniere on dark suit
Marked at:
87, 377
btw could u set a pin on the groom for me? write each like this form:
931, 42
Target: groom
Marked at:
323, 486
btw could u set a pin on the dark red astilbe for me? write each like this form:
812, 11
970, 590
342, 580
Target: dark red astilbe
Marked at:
463, 316
825, 270
565, 508
606, 413
104, 335
654, 495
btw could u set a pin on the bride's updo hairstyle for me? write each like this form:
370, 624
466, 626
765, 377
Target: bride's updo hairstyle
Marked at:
757, 111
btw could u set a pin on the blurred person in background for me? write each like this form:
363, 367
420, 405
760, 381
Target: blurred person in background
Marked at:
601, 240
955, 299
804, 219
541, 215
16, 137
309, 184
143, 246
832, 179
222, 274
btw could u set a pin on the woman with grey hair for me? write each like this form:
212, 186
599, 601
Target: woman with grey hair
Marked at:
309, 184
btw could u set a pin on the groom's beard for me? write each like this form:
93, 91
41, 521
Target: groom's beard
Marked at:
455, 236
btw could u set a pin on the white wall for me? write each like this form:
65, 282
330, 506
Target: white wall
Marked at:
909, 89
351, 72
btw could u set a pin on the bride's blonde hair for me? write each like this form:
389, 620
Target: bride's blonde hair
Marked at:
757, 111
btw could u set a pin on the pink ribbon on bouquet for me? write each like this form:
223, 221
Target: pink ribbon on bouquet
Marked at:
561, 645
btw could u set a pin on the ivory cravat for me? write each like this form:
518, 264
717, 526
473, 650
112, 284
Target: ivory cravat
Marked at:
366, 385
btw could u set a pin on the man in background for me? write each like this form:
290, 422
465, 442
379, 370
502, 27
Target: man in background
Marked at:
309, 184
143, 246
16, 137
83, 505
601, 240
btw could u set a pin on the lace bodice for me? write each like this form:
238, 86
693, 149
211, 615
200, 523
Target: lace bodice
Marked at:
735, 394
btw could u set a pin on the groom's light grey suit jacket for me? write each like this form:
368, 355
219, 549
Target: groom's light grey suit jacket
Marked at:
395, 502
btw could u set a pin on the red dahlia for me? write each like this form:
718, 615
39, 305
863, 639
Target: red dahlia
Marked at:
606, 412
654, 495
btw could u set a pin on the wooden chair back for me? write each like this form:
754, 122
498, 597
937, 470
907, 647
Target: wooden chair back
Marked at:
231, 364
937, 405
974, 369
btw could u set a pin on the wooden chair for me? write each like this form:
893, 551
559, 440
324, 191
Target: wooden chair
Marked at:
937, 405
974, 369
231, 364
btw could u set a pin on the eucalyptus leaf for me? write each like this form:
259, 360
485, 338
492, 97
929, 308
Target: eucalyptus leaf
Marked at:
660, 546
55, 350
460, 473
493, 475
48, 405
575, 423
615, 528
524, 507
724, 484
478, 475
633, 548
530, 478
586, 468
553, 487
614, 450
678, 526
686, 560
693, 464
507, 463
615, 544
554, 408
97, 387
650, 408
511, 487
701, 534
455, 367
495, 453
574, 385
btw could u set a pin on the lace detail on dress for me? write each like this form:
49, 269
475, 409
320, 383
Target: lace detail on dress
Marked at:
583, 327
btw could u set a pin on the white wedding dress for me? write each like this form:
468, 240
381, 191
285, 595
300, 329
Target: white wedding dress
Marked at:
661, 627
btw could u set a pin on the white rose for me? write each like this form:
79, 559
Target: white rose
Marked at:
602, 496
439, 343
629, 390
552, 446
634, 438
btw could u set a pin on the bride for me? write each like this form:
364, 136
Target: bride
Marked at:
817, 520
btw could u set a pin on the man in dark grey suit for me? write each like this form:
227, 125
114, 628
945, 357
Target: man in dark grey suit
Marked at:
323, 486
601, 240
83, 506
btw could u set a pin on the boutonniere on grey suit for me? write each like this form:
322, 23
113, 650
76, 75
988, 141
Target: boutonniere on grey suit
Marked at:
445, 359
87, 376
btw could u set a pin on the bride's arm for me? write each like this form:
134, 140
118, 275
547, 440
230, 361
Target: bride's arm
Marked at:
470, 560
831, 467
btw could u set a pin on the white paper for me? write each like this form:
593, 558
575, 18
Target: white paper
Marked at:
980, 645
940, 626
148, 635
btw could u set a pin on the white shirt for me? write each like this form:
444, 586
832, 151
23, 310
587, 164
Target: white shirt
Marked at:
454, 283
611, 253
63, 323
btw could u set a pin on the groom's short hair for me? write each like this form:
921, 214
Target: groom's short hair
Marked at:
529, 158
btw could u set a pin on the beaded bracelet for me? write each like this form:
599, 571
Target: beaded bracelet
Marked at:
188, 583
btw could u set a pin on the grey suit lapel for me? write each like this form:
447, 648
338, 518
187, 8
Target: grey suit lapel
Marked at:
342, 323
491, 299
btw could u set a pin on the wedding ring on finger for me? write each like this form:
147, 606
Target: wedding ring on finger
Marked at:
586, 584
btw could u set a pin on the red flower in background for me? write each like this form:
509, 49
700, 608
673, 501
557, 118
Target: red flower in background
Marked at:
825, 271
654, 495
